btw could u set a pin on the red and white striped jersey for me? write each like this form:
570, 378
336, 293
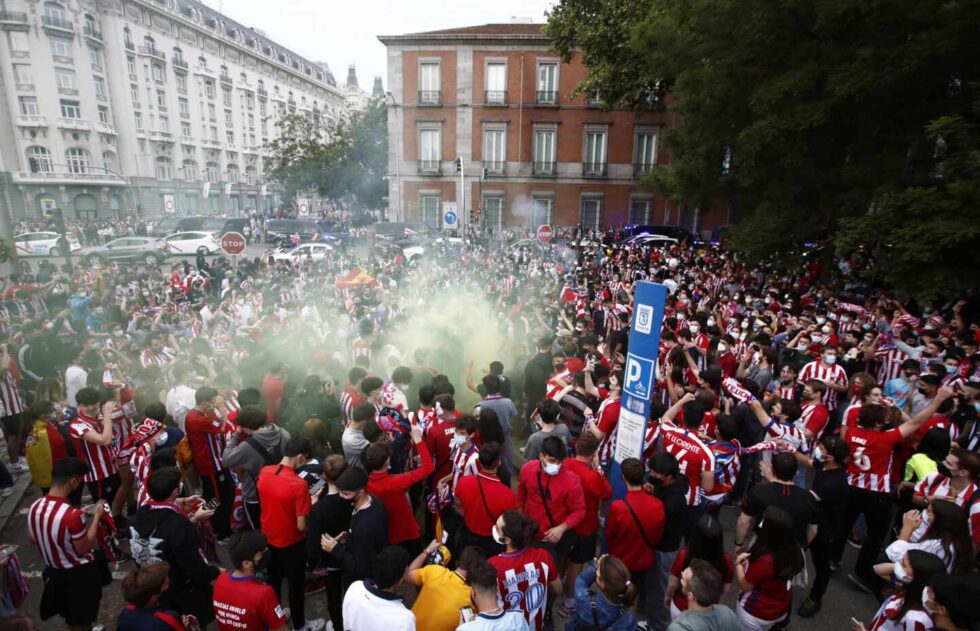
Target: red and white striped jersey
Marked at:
349, 399
834, 373
917, 619
464, 462
888, 364
139, 462
122, 427
608, 419
728, 463
693, 456
522, 578
161, 359
360, 348
424, 419
782, 391
53, 524
871, 457
101, 458
815, 417
10, 396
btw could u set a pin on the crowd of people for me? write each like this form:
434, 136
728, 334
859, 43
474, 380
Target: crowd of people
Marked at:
217, 432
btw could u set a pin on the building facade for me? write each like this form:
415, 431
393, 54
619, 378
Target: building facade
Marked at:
111, 107
498, 97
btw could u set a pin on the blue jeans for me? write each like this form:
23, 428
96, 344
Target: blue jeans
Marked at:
658, 616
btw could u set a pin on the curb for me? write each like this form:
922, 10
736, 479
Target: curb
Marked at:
10, 504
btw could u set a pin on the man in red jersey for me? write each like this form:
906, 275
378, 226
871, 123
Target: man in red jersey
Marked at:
827, 370
869, 478
205, 426
635, 524
481, 499
695, 459
241, 601
392, 490
351, 397
526, 575
92, 433
595, 488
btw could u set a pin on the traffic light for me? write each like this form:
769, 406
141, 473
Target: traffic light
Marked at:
473, 216
459, 165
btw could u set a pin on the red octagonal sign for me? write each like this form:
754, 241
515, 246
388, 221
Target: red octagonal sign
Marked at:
233, 243
544, 234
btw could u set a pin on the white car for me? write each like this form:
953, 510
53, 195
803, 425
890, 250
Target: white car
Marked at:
315, 251
42, 244
655, 240
193, 242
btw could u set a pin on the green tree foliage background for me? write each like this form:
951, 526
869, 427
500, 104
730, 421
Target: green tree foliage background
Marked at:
855, 120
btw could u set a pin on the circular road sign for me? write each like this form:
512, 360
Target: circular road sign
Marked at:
233, 243
544, 234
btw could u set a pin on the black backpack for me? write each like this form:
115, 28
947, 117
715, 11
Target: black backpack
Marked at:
270, 457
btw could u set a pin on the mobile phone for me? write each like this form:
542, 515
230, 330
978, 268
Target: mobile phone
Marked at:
316, 488
213, 504
466, 614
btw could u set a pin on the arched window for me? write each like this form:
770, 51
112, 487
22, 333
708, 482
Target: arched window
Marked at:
127, 36
149, 44
250, 175
190, 170
54, 14
38, 160
211, 170
78, 160
91, 26
233, 173
109, 163
165, 168
178, 54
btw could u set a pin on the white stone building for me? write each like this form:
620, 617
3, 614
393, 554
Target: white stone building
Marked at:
108, 107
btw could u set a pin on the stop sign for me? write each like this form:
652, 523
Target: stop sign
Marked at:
544, 234
233, 243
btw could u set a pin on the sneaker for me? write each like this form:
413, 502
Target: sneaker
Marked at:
860, 583
641, 625
7, 492
316, 624
315, 585
18, 467
834, 567
808, 609
855, 543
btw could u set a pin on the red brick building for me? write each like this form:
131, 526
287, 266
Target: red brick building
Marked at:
499, 98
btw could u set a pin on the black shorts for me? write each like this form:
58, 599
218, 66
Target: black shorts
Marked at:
73, 594
12, 425
583, 548
104, 489
560, 551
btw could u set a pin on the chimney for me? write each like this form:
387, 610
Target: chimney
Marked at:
352, 78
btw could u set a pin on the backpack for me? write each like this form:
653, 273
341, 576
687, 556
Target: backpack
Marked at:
270, 457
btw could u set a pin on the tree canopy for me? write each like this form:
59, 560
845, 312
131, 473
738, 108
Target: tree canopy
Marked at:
858, 120
346, 161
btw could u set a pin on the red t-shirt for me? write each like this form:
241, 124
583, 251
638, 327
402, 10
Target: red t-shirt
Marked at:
623, 533
245, 604
272, 390
680, 600
596, 488
480, 517
391, 489
871, 457
522, 578
816, 415
438, 439
284, 497
771, 596
205, 434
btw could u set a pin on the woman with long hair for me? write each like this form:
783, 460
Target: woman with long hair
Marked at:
904, 609
534, 573
829, 461
608, 606
764, 573
948, 537
44, 446
706, 542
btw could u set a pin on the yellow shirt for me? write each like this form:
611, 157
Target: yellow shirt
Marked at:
38, 450
443, 593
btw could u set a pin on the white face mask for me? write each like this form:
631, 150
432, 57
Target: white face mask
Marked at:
695, 329
821, 319
711, 321
162, 439
830, 359
722, 348
551, 468
458, 441
497, 537
825, 328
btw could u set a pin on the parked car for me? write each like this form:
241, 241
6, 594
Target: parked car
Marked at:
169, 225
281, 230
221, 225
127, 249
398, 229
42, 244
651, 239
194, 242
315, 251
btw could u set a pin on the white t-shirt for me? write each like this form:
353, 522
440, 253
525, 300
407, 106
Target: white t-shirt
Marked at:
75, 379
506, 621
369, 610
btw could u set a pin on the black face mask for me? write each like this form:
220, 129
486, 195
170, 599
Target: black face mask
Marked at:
923, 392
656, 482
944, 470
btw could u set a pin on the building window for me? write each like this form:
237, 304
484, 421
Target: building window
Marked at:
544, 152
185, 129
230, 137
226, 97
594, 160
54, 15
181, 81
60, 48
213, 134
65, 79
547, 83
212, 115
209, 89
18, 42
164, 124
190, 170
646, 152
541, 211
639, 211
496, 93
161, 101
233, 173
71, 109
137, 120
100, 91
165, 168
429, 83
134, 95
429, 210
28, 106
95, 59
156, 71
211, 171
38, 160
229, 122
494, 149
23, 75
78, 160
183, 107
108, 161
131, 64
430, 150
493, 212
104, 115
591, 212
